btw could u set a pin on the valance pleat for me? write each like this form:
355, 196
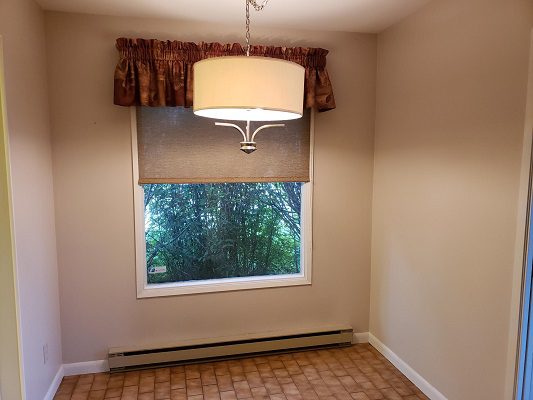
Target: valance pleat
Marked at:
160, 73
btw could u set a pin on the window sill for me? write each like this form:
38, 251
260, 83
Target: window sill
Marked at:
221, 285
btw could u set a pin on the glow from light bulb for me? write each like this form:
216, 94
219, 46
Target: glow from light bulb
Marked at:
247, 114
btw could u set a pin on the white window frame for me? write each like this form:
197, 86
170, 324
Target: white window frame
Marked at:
145, 290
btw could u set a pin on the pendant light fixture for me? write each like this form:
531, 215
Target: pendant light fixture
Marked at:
248, 88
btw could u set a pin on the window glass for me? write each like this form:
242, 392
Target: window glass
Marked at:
214, 231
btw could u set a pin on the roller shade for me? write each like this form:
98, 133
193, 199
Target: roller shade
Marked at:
176, 146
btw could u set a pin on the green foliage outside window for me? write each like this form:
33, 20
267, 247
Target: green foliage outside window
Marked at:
214, 231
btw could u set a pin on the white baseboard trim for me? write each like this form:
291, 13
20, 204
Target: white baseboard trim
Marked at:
361, 337
406, 369
54, 385
88, 367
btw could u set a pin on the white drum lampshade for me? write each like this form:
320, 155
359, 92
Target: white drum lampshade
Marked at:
248, 88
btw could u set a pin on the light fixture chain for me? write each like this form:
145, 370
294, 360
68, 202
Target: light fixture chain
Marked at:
257, 7
247, 27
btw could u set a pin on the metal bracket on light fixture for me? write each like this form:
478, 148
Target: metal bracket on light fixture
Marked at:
248, 145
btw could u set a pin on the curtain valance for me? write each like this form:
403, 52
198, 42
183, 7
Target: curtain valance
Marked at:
160, 73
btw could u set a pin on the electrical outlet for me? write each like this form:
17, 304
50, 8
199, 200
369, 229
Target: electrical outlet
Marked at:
45, 353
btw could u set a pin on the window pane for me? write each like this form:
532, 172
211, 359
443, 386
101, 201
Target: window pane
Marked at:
213, 231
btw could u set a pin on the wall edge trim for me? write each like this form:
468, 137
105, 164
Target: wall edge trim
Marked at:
428, 389
88, 367
55, 384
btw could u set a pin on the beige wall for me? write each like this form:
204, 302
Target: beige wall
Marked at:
94, 203
22, 28
451, 99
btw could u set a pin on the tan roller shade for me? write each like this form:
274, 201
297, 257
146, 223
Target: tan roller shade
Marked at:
176, 146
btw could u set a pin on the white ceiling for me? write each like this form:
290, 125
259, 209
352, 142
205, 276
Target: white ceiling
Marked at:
334, 15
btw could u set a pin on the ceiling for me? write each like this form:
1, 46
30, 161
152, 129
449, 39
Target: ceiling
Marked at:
334, 15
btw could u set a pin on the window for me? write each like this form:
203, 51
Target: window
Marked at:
218, 236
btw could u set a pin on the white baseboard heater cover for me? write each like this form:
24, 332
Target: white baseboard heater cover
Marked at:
129, 358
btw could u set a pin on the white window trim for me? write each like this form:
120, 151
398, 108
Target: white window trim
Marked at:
218, 285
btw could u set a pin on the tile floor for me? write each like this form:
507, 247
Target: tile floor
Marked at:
358, 372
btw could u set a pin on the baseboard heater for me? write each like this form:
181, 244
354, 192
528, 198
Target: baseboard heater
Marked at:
131, 358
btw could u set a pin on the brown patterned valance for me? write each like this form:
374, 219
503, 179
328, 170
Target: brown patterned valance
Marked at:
160, 73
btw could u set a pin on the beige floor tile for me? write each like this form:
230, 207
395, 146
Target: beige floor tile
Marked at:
358, 372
